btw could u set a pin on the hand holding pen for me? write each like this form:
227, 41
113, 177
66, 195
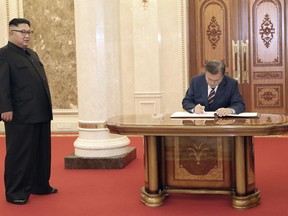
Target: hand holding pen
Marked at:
199, 109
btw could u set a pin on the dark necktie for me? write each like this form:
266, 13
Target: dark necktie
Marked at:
26, 52
211, 96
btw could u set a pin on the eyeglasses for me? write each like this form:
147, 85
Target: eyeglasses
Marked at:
24, 32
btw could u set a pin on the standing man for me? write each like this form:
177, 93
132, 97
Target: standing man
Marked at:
213, 91
25, 107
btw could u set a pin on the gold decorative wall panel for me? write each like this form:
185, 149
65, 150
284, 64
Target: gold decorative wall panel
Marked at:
269, 95
54, 41
267, 30
267, 39
214, 31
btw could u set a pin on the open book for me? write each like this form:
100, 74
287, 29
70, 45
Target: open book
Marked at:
212, 115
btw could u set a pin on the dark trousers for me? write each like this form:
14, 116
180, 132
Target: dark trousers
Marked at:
28, 159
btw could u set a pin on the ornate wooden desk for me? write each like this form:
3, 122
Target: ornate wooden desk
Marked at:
199, 156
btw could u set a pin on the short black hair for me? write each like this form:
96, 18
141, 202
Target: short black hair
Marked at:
17, 21
215, 66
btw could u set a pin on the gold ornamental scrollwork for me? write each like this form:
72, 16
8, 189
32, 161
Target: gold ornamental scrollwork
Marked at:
213, 32
198, 152
267, 31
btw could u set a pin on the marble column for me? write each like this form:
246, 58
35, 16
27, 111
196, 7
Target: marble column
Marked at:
9, 9
98, 82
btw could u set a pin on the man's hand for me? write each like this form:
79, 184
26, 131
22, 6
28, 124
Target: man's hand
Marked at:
7, 116
199, 109
221, 112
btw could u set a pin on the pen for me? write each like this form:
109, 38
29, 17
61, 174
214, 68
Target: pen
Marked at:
215, 115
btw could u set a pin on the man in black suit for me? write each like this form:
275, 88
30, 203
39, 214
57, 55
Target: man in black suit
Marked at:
26, 109
226, 98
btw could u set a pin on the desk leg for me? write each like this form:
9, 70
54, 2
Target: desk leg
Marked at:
151, 195
241, 199
240, 166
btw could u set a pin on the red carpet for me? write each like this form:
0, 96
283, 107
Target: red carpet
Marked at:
117, 192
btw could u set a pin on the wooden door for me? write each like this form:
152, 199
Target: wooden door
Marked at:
250, 37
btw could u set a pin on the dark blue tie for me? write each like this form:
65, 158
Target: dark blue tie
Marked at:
211, 96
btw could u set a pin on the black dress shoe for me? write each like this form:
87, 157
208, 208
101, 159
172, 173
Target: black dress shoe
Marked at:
50, 191
18, 201
53, 190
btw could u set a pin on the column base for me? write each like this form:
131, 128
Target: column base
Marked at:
73, 161
245, 202
152, 200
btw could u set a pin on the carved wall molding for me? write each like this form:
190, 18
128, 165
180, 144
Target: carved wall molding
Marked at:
184, 45
147, 102
268, 95
268, 75
267, 31
213, 32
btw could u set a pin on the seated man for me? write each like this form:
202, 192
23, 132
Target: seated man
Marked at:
213, 91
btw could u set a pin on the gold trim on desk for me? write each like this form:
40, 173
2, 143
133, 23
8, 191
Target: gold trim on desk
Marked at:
153, 165
245, 202
152, 200
240, 166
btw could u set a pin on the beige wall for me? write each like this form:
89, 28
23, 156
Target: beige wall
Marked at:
153, 55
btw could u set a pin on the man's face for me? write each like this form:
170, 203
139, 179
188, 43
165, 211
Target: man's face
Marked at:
20, 35
213, 80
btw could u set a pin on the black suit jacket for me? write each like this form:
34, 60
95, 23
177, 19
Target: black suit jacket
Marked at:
24, 88
227, 95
